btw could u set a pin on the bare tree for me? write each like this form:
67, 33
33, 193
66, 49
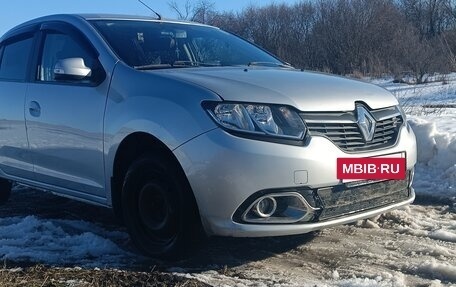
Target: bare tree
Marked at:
203, 11
430, 17
366, 37
183, 13
200, 11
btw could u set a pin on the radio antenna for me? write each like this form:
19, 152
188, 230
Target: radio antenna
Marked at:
148, 7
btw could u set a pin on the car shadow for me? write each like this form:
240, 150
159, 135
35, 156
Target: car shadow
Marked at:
218, 253
210, 254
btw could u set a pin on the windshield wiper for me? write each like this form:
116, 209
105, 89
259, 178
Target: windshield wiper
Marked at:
153, 67
269, 64
176, 64
195, 64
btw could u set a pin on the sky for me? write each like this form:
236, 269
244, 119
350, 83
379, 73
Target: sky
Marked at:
14, 12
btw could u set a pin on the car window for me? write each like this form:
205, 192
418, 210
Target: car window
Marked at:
14, 59
58, 47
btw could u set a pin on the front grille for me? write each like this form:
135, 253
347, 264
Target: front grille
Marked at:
342, 129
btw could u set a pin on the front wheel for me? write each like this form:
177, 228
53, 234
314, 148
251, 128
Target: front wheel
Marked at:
5, 190
158, 207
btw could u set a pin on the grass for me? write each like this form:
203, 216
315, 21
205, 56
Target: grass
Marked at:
44, 276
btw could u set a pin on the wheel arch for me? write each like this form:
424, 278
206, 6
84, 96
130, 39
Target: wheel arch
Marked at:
132, 147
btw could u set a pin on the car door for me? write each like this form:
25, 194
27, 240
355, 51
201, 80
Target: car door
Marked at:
15, 56
64, 114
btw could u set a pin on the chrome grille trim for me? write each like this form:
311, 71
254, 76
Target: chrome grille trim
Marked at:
342, 129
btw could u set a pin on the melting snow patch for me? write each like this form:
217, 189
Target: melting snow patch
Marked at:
215, 279
368, 223
58, 241
421, 222
438, 270
385, 280
443, 235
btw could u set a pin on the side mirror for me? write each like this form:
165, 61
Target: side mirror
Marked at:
71, 69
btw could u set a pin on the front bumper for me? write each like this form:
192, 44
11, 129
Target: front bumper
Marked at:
224, 171
262, 230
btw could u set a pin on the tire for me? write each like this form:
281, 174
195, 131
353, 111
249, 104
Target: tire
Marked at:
158, 207
5, 190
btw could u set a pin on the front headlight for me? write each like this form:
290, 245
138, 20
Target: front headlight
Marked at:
275, 121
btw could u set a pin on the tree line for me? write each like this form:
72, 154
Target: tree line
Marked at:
349, 37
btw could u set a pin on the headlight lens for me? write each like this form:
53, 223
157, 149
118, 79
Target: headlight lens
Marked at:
259, 119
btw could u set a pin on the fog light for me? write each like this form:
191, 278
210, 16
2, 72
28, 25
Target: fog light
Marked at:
266, 207
285, 207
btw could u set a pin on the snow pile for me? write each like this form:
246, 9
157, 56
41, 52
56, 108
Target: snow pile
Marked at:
435, 129
436, 169
438, 224
214, 278
385, 280
436, 149
438, 270
433, 260
59, 242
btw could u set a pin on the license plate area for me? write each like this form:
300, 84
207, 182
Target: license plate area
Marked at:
384, 167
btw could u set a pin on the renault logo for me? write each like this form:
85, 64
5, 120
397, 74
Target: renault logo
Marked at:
366, 122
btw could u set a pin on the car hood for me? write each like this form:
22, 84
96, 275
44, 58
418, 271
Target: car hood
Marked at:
307, 91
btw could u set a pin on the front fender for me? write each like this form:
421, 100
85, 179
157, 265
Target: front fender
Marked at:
139, 101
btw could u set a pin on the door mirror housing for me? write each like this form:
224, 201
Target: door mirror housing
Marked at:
71, 69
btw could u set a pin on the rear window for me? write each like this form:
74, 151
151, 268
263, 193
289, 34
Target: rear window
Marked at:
14, 59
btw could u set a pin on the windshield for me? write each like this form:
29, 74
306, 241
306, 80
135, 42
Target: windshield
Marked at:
155, 45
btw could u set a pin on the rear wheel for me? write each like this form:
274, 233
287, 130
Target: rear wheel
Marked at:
158, 207
5, 190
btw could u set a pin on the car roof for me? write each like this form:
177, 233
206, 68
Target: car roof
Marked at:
95, 16
88, 17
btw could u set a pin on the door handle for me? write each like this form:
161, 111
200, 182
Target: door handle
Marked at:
34, 109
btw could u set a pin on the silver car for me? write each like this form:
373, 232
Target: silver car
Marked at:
183, 128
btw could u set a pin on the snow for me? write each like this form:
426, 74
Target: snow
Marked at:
435, 130
443, 235
440, 270
387, 280
58, 241
435, 176
437, 224
413, 97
